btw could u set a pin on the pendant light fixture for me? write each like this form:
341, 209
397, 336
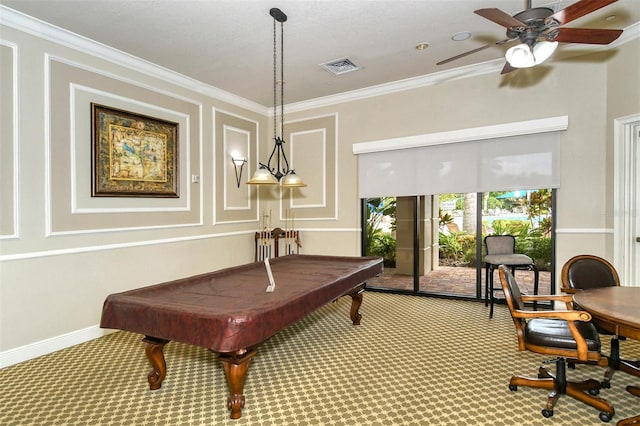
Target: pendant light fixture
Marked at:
282, 172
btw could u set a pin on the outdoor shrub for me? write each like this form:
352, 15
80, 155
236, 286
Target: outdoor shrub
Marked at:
383, 245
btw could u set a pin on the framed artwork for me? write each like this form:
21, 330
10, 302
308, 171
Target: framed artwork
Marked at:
133, 155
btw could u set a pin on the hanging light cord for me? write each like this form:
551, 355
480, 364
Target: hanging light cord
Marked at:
275, 103
282, 80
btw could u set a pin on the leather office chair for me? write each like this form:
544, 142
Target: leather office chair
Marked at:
561, 334
584, 272
501, 250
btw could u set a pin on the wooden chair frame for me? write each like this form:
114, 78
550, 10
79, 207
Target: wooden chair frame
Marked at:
584, 391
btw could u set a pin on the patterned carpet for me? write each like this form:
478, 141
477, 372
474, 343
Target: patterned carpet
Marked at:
413, 361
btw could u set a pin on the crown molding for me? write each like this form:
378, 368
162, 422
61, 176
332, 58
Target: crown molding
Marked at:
54, 34
58, 35
630, 33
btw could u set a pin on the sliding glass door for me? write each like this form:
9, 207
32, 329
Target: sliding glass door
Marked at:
433, 244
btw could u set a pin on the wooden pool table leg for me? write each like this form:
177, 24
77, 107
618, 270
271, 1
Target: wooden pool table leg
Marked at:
153, 349
356, 301
235, 367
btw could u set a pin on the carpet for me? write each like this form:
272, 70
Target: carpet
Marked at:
412, 361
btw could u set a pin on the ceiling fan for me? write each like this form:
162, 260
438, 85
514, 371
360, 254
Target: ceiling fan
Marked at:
539, 30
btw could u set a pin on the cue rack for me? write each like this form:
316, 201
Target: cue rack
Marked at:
271, 243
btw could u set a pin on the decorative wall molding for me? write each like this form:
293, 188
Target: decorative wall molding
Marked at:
77, 85
141, 243
55, 34
322, 135
584, 231
222, 120
326, 126
10, 161
74, 41
228, 169
172, 205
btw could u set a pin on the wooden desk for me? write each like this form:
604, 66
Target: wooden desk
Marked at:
616, 309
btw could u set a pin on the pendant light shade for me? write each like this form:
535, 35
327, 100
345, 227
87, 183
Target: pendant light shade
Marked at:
292, 180
262, 176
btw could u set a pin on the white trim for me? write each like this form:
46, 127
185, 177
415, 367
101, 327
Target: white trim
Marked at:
624, 190
185, 152
15, 143
226, 154
473, 70
58, 35
215, 220
124, 228
87, 249
43, 347
328, 229
336, 117
519, 128
584, 231
630, 33
54, 34
323, 136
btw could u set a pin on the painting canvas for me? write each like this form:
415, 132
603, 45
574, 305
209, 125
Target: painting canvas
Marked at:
133, 155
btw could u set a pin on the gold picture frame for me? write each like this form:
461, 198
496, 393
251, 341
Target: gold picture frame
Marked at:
133, 155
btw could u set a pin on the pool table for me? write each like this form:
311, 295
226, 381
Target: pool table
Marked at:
230, 312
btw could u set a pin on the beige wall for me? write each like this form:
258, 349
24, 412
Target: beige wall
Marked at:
70, 251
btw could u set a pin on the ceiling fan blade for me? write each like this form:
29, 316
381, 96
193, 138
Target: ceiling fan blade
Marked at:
462, 55
500, 17
578, 10
587, 35
507, 68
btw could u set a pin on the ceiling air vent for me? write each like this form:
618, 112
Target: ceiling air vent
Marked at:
340, 66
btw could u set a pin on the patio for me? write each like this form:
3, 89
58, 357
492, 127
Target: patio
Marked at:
456, 281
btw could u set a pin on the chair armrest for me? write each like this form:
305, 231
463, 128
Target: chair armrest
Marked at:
563, 315
569, 290
570, 317
550, 297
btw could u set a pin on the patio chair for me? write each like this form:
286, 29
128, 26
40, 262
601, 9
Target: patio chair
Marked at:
501, 250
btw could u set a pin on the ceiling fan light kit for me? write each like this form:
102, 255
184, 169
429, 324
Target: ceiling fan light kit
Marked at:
539, 30
523, 56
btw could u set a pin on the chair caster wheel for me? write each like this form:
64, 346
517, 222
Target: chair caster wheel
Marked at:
605, 417
605, 384
513, 388
594, 392
548, 413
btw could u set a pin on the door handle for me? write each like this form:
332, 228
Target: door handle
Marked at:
637, 239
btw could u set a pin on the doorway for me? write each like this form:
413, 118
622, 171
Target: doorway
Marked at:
626, 199
432, 245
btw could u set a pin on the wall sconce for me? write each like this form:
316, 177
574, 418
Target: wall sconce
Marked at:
238, 161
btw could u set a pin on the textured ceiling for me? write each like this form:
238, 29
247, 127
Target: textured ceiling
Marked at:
228, 44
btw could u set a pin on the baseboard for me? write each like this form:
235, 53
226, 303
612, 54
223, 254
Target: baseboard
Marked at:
47, 346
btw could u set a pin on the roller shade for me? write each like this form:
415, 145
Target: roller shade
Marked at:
529, 161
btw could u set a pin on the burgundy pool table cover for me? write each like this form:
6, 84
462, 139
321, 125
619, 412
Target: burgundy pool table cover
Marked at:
229, 309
